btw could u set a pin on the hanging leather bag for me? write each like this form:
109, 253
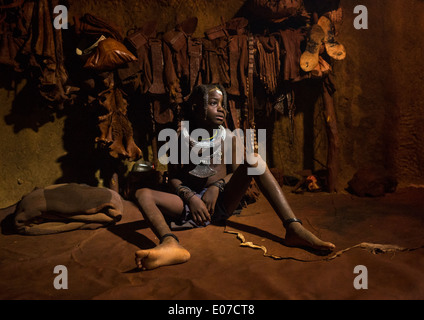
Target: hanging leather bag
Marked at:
109, 55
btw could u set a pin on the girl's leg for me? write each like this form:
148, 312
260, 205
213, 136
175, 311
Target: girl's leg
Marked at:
239, 183
153, 205
296, 234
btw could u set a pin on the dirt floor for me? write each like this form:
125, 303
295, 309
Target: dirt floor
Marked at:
100, 263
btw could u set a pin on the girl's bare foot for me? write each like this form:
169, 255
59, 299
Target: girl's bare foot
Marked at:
298, 236
167, 253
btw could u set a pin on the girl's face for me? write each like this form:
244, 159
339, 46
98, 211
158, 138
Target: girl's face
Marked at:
215, 112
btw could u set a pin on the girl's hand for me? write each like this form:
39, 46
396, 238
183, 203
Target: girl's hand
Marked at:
210, 197
198, 210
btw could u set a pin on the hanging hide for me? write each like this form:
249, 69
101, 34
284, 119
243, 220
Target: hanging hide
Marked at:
137, 76
46, 56
182, 55
116, 132
276, 10
89, 24
268, 52
291, 42
13, 32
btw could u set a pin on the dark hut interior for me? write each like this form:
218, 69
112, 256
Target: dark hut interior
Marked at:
86, 87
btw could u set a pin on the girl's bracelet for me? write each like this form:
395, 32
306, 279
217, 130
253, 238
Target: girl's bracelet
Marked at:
220, 184
185, 193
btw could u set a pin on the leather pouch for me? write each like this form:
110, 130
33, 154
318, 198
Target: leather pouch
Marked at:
109, 55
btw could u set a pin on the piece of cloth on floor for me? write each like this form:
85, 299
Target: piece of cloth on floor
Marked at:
66, 207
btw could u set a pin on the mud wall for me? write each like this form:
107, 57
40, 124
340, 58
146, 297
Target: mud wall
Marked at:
380, 96
379, 101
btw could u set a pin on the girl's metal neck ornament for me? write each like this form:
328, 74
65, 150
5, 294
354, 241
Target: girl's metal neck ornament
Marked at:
203, 170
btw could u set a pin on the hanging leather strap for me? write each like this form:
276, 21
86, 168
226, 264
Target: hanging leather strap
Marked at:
233, 59
195, 56
157, 86
251, 105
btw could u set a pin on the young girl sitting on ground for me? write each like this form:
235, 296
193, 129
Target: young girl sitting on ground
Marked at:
210, 191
